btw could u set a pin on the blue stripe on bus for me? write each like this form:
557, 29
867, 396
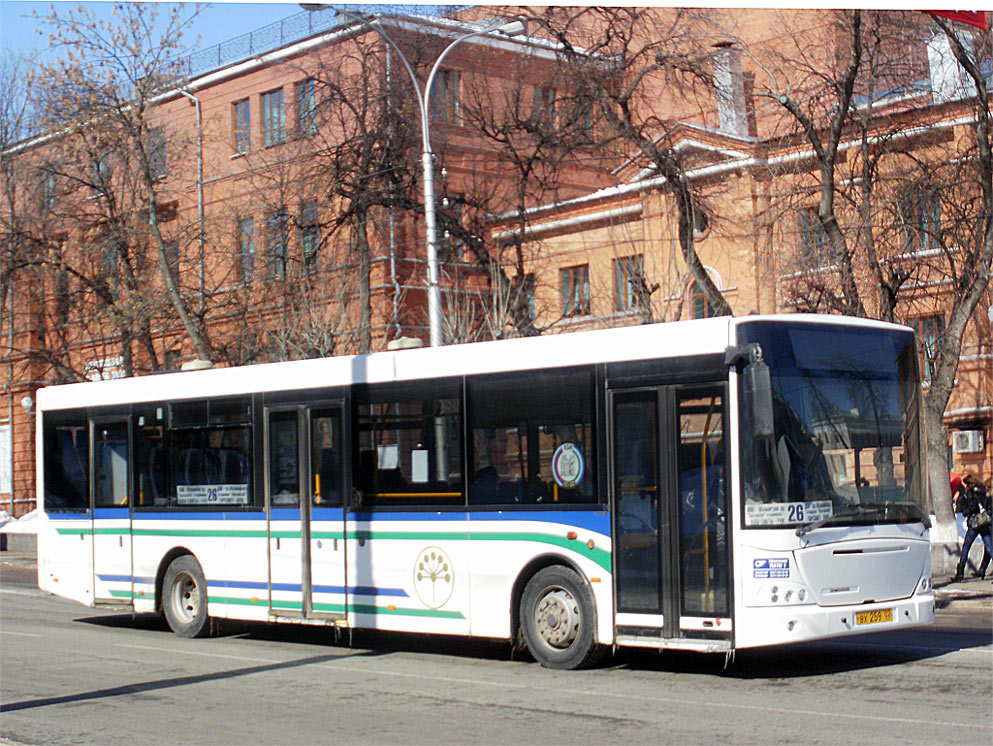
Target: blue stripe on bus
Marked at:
111, 513
592, 520
115, 578
69, 516
284, 514
365, 590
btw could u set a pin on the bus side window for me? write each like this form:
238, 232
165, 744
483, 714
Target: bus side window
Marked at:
409, 444
67, 472
532, 444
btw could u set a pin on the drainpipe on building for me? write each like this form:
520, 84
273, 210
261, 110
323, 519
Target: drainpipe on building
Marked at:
194, 101
393, 252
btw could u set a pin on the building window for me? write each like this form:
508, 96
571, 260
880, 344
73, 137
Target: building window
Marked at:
699, 304
101, 175
445, 97
272, 118
246, 244
49, 189
278, 242
306, 105
929, 330
544, 106
575, 283
157, 153
242, 126
813, 239
629, 282
921, 212
310, 238
172, 254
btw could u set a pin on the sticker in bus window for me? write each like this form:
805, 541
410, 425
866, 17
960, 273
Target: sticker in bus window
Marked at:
568, 466
212, 494
419, 466
781, 514
388, 457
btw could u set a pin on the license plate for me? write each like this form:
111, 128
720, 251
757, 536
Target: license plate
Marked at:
873, 617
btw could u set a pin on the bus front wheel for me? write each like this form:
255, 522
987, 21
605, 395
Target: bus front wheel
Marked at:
557, 619
184, 598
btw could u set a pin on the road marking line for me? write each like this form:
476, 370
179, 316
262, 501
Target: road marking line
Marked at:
18, 634
11, 592
173, 651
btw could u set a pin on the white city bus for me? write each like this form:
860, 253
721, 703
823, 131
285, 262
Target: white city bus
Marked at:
705, 485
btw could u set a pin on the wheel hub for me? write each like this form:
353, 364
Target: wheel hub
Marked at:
557, 619
184, 599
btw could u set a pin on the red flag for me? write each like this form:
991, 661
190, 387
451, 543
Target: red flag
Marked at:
975, 18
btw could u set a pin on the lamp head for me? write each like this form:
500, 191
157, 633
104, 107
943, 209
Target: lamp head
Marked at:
512, 28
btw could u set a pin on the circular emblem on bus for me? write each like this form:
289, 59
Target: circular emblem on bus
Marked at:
568, 466
434, 577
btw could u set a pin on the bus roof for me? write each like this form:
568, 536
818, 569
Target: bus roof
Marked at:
660, 340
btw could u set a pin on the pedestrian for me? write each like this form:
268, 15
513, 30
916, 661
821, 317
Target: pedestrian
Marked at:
974, 504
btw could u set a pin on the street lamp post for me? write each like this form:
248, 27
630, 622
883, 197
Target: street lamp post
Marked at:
505, 28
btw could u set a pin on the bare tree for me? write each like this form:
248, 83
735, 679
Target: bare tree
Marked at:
896, 211
621, 58
100, 95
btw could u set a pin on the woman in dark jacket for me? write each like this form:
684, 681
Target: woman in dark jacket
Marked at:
974, 504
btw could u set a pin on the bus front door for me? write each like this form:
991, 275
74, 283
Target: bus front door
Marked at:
110, 473
306, 519
672, 578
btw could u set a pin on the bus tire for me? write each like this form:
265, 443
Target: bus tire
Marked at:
184, 598
557, 619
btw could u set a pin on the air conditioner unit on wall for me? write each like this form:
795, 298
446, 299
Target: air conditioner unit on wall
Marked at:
967, 441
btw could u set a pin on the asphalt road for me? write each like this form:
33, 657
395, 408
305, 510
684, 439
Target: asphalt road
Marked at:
74, 675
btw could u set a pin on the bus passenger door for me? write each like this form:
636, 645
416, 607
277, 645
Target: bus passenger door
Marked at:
110, 472
304, 453
672, 576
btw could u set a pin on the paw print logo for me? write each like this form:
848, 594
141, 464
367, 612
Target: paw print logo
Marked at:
434, 577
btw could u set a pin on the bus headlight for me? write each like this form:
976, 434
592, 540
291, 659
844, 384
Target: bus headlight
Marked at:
926, 585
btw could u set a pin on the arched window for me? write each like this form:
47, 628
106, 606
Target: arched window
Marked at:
699, 306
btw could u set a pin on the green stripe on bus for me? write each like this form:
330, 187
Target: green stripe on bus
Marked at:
600, 556
597, 555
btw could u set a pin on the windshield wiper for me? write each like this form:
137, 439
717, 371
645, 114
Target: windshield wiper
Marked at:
913, 508
808, 527
858, 510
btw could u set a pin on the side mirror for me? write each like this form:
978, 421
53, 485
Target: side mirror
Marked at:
757, 388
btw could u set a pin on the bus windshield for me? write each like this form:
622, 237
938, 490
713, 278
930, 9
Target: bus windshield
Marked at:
846, 447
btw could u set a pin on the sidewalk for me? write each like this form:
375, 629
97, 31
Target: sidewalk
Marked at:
967, 592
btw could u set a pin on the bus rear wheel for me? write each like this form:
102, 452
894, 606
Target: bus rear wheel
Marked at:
184, 598
557, 619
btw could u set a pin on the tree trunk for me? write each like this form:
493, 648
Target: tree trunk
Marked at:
944, 542
365, 293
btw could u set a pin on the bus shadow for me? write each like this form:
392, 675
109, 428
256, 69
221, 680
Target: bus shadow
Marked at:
801, 660
366, 641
